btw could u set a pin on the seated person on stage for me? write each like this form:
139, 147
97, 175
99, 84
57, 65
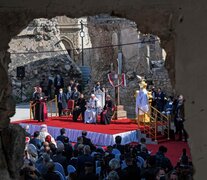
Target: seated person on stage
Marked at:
91, 111
107, 112
80, 108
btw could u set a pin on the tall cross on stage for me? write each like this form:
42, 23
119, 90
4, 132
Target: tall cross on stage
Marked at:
117, 80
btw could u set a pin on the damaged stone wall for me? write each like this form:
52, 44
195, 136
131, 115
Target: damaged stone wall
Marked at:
70, 29
38, 48
106, 33
181, 27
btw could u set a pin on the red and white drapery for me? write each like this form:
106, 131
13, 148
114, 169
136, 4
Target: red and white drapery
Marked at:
122, 79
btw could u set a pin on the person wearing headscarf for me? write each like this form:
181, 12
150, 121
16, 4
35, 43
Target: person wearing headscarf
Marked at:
44, 133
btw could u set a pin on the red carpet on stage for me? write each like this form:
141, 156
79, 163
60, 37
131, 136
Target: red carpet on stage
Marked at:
116, 126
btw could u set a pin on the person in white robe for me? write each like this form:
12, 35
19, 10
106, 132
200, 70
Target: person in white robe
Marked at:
44, 133
142, 103
92, 110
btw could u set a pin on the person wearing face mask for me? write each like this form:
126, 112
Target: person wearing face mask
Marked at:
62, 102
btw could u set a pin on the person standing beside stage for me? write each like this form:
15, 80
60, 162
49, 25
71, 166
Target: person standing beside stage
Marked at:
160, 100
62, 101
180, 118
40, 106
91, 111
80, 108
107, 112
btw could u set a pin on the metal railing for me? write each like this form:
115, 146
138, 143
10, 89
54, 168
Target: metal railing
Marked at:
151, 121
31, 110
163, 121
50, 105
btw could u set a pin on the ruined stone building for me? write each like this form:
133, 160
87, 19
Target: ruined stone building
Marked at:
47, 47
181, 27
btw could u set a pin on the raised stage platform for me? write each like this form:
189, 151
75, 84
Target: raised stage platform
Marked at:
101, 135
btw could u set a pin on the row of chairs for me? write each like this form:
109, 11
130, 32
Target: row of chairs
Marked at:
70, 169
60, 170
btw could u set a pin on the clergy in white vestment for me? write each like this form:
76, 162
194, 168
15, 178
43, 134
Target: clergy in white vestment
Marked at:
142, 103
92, 110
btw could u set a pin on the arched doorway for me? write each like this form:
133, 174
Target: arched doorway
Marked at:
69, 47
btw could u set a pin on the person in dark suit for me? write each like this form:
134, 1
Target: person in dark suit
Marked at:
118, 144
36, 141
79, 108
69, 93
51, 175
75, 95
86, 157
62, 135
58, 157
160, 100
107, 112
62, 101
180, 118
58, 83
87, 141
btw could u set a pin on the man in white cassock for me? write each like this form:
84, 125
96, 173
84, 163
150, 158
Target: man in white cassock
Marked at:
92, 110
142, 103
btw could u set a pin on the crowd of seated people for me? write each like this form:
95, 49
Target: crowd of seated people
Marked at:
48, 160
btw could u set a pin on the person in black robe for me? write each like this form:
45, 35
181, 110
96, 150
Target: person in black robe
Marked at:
79, 108
40, 109
107, 112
